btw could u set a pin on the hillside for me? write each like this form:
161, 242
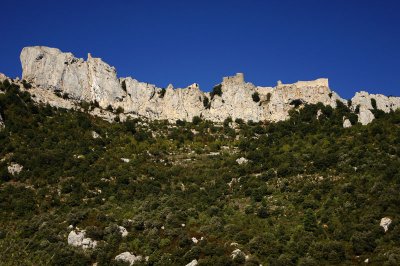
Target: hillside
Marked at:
304, 191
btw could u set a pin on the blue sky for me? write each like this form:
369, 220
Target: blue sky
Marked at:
356, 44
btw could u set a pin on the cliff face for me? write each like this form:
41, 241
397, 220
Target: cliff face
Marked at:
93, 80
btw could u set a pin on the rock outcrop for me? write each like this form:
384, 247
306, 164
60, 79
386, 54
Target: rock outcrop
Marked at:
192, 263
94, 81
385, 222
129, 258
346, 123
15, 168
78, 239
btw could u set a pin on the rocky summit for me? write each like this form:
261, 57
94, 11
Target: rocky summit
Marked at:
74, 79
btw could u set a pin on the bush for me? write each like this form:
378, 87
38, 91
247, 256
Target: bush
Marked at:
217, 90
373, 103
262, 212
162, 93
196, 120
26, 84
119, 110
123, 85
206, 102
256, 97
109, 108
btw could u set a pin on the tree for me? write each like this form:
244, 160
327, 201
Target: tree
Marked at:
119, 110
196, 120
256, 97
309, 221
262, 212
373, 103
217, 90
206, 102
162, 92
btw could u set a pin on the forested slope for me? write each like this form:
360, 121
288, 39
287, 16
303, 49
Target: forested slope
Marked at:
310, 193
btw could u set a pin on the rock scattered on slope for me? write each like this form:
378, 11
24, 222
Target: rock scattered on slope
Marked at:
241, 160
78, 239
95, 135
365, 116
346, 123
385, 222
129, 258
192, 263
123, 231
237, 252
14, 168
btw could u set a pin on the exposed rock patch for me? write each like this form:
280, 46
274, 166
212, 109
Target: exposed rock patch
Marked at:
78, 239
346, 123
192, 263
14, 168
129, 258
51, 70
241, 160
385, 222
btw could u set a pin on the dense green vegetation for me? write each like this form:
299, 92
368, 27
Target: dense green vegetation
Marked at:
312, 193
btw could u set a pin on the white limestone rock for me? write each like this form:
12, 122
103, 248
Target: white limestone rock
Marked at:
365, 116
385, 103
192, 263
50, 70
385, 222
75, 238
123, 231
14, 168
3, 77
125, 160
346, 123
95, 135
237, 252
78, 239
129, 258
241, 160
363, 100
90, 80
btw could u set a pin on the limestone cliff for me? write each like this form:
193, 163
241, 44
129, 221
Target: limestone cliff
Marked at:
93, 80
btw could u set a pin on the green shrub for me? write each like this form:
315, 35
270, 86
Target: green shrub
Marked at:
256, 97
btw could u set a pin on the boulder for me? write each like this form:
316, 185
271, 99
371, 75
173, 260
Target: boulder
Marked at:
365, 116
192, 263
14, 168
125, 160
123, 231
242, 160
346, 123
75, 238
129, 258
385, 222
78, 239
237, 252
95, 135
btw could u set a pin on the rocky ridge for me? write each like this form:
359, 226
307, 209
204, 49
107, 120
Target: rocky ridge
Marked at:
62, 80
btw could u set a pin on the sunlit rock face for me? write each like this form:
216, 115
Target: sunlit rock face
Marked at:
93, 80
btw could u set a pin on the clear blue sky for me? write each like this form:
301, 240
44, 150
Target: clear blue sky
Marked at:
354, 43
